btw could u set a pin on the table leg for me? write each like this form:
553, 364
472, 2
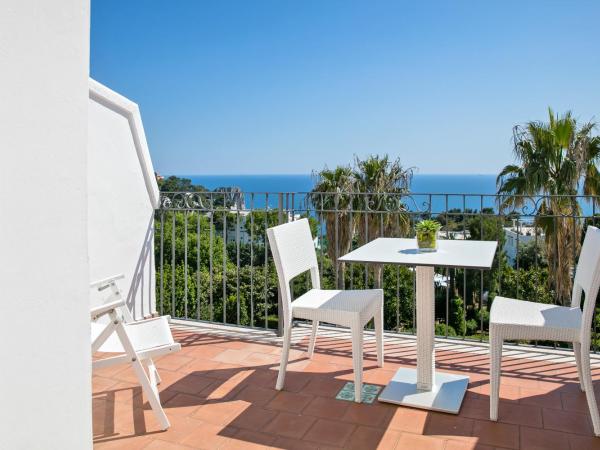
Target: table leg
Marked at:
425, 328
423, 387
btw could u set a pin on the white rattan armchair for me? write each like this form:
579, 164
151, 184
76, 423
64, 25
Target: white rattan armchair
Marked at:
294, 253
512, 319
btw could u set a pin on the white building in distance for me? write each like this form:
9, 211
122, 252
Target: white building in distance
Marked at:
518, 235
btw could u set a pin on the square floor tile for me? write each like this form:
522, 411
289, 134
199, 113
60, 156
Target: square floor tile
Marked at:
369, 392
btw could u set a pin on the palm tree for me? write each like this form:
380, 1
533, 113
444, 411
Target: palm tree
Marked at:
331, 198
557, 160
381, 183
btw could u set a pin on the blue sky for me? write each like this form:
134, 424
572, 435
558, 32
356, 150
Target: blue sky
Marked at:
290, 86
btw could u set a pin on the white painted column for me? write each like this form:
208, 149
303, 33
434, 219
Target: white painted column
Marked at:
425, 328
45, 370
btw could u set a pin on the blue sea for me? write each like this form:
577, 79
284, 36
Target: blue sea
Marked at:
468, 191
421, 183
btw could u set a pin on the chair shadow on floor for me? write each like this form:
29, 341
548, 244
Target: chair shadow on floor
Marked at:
242, 404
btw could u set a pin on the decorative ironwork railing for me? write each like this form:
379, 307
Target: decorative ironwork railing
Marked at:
214, 264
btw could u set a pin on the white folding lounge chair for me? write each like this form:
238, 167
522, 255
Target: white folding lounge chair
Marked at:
294, 253
136, 341
518, 319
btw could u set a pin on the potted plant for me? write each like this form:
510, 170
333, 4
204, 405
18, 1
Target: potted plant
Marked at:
427, 235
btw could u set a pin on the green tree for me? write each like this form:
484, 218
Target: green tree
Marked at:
258, 221
457, 316
176, 184
532, 254
555, 159
381, 182
529, 284
331, 198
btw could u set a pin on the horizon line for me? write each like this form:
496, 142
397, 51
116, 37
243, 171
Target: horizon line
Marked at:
297, 174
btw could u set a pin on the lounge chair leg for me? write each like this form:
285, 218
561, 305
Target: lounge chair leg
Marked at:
152, 394
495, 368
577, 351
285, 353
586, 371
313, 338
357, 359
152, 375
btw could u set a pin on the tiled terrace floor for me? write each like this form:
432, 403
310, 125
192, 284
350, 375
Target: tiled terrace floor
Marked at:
218, 393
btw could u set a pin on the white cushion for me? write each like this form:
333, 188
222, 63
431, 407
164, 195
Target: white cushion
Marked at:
520, 319
346, 308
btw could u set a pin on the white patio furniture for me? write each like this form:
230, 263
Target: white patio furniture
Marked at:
137, 342
294, 253
512, 319
423, 387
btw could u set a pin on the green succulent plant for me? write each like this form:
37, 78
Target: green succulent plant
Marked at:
427, 234
428, 227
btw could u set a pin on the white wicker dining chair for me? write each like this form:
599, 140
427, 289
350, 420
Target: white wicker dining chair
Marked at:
131, 342
294, 253
518, 319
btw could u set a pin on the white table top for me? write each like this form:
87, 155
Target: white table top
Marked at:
450, 253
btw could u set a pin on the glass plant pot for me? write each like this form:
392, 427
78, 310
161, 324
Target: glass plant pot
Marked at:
427, 242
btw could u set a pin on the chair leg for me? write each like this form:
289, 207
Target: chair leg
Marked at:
577, 351
495, 369
152, 374
313, 338
378, 319
152, 394
357, 359
285, 352
586, 372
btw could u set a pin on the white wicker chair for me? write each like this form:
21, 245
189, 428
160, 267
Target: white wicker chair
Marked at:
517, 319
294, 253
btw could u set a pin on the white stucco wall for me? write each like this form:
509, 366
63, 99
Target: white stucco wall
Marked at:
45, 362
122, 197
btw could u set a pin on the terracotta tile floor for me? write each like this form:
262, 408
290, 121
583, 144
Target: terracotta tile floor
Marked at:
218, 393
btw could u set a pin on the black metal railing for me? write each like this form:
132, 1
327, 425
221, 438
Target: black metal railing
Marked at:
214, 264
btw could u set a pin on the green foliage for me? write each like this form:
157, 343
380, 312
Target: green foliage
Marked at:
472, 327
428, 227
457, 316
188, 290
482, 316
201, 279
556, 159
529, 284
196, 239
398, 298
176, 184
258, 221
532, 255
441, 329
362, 188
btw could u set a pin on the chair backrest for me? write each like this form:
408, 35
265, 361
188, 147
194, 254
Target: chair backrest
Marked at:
294, 253
587, 279
113, 293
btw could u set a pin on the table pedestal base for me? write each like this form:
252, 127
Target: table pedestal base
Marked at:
446, 396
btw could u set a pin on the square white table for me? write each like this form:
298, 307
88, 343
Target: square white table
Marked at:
423, 387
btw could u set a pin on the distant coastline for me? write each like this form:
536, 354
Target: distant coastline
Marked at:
421, 183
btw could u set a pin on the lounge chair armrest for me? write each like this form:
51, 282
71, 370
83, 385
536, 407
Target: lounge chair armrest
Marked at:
104, 283
105, 308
